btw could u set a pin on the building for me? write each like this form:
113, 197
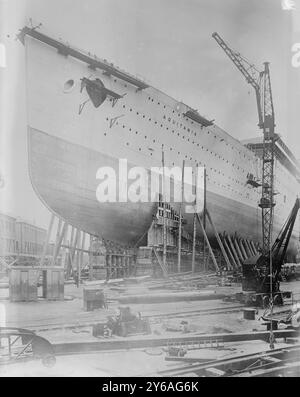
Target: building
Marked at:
20, 238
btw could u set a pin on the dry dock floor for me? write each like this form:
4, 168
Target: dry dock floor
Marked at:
66, 322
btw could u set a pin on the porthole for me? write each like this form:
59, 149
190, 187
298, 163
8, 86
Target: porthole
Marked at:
69, 85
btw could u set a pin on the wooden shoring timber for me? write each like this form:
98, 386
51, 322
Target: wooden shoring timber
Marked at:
243, 245
46, 243
164, 212
161, 264
194, 242
58, 232
243, 252
208, 243
72, 247
246, 248
229, 252
229, 266
180, 220
249, 247
60, 238
238, 249
64, 257
253, 247
234, 251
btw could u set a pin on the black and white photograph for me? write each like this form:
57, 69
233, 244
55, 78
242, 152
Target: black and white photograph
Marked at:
149, 191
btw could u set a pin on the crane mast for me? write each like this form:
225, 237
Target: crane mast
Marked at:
261, 83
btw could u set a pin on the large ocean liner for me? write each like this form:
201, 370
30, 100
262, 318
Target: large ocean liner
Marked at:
85, 113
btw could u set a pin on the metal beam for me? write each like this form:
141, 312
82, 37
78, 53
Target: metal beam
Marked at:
135, 343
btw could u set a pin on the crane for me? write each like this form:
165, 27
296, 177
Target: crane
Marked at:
266, 282
261, 82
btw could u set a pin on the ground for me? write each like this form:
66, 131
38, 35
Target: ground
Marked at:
66, 321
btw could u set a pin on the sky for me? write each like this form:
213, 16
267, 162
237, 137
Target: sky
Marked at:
167, 42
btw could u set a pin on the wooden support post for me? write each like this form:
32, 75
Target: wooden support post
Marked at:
164, 212
247, 248
238, 250
254, 248
180, 220
80, 262
46, 243
58, 231
109, 265
194, 243
91, 265
251, 248
73, 248
59, 242
77, 256
228, 264
242, 248
234, 251
229, 252
64, 261
204, 219
207, 242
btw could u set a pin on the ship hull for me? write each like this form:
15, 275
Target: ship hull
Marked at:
69, 139
64, 176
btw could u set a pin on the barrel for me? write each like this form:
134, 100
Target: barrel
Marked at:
249, 314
